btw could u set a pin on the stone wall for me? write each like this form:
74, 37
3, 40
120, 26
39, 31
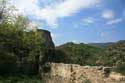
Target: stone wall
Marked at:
72, 73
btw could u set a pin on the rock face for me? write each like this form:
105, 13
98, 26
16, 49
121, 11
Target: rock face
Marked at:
72, 73
47, 38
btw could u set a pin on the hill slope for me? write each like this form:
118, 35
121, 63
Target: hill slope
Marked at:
82, 54
95, 53
105, 45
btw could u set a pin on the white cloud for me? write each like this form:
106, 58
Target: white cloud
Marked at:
55, 36
52, 13
114, 21
107, 35
104, 34
89, 20
108, 14
24, 6
75, 41
32, 25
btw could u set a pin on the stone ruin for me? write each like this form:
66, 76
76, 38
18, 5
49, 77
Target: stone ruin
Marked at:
72, 73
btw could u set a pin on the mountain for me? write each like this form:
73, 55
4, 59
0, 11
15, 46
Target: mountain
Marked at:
105, 45
122, 41
114, 54
102, 45
94, 53
82, 54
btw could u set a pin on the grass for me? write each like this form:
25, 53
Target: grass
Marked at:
20, 79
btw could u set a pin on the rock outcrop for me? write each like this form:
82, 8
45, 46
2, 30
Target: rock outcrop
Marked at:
47, 38
72, 73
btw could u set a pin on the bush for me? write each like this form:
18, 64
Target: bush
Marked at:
120, 68
7, 63
20, 79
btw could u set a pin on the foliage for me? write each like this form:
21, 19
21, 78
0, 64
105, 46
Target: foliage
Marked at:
82, 54
25, 47
120, 67
6, 12
56, 55
114, 54
20, 48
20, 79
7, 63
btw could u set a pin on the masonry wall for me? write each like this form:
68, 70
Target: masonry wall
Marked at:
72, 73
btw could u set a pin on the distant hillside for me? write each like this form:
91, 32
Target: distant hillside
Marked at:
114, 54
105, 45
81, 53
122, 41
94, 54
102, 45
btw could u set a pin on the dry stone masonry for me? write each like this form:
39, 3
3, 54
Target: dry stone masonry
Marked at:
72, 73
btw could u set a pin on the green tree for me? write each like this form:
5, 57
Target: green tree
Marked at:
114, 54
82, 54
26, 46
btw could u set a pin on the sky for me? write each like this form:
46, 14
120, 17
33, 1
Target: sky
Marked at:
78, 21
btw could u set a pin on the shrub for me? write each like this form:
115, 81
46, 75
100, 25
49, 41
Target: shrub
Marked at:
120, 68
20, 79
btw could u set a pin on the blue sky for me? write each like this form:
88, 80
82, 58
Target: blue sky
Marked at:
77, 21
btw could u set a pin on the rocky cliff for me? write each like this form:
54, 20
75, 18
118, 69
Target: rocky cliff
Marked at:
72, 73
47, 38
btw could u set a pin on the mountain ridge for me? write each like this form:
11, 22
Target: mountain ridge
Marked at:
100, 45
